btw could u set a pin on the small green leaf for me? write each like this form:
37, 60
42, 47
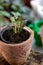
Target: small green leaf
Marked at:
4, 13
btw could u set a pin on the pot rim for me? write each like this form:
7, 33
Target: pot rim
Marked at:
24, 42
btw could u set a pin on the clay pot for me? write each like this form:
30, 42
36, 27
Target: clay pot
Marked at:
17, 54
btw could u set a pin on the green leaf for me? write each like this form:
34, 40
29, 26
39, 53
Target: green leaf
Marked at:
4, 13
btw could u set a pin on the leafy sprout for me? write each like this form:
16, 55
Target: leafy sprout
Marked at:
18, 22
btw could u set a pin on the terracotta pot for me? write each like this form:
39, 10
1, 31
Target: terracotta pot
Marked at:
17, 54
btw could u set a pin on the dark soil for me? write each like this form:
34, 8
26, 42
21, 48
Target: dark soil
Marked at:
10, 36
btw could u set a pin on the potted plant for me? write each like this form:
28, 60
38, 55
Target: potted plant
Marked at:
16, 41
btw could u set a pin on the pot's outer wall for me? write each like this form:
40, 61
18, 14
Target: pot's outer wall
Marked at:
17, 54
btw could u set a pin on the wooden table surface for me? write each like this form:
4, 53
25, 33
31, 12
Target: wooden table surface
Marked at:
34, 58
